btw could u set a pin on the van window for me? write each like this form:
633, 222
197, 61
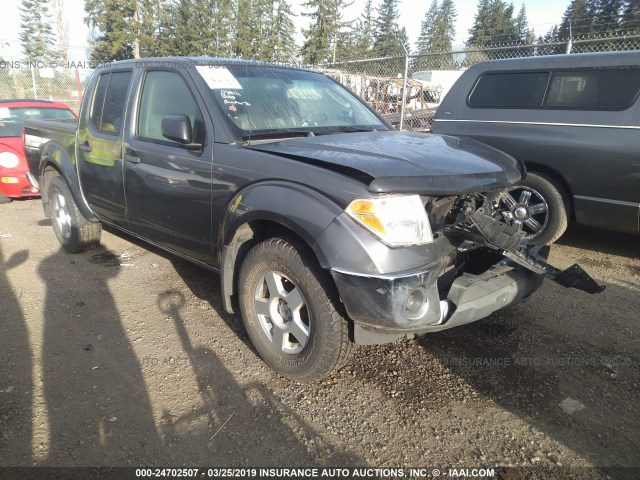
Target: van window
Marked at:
509, 90
611, 89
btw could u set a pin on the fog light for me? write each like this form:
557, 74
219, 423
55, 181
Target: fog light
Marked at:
9, 180
415, 306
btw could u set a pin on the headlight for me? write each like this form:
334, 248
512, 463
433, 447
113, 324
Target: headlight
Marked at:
8, 160
396, 220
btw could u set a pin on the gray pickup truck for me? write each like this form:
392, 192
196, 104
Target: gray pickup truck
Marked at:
327, 227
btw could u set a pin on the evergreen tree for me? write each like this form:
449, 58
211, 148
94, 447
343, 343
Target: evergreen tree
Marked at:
117, 25
322, 31
428, 29
480, 33
246, 42
36, 35
631, 16
436, 35
202, 27
576, 20
607, 16
282, 40
387, 35
525, 35
494, 23
363, 33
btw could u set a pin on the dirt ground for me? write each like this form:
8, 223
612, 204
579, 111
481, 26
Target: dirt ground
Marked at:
124, 356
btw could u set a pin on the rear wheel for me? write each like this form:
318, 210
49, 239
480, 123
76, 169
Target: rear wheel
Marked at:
74, 232
290, 310
539, 206
4, 199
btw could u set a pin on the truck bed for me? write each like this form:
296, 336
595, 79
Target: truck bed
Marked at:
39, 132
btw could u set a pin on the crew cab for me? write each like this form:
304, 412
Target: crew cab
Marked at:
15, 178
328, 228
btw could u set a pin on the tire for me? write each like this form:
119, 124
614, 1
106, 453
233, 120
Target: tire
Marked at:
74, 232
4, 199
540, 206
298, 331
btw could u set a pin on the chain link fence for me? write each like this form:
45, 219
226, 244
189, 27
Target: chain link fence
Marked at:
61, 81
381, 81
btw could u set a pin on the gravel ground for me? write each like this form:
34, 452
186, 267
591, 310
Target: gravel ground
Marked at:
124, 356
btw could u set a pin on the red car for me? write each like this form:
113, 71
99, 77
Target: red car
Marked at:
15, 179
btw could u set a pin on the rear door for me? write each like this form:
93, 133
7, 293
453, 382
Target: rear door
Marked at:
168, 186
99, 144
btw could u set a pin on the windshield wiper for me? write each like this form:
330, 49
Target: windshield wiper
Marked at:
350, 129
279, 132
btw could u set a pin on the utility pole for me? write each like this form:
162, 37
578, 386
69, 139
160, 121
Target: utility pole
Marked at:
404, 84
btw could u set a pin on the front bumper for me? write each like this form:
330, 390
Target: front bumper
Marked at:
382, 310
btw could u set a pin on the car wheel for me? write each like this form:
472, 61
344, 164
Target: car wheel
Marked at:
539, 206
291, 311
75, 233
4, 199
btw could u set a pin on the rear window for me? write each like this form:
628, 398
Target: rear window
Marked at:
509, 90
12, 119
588, 89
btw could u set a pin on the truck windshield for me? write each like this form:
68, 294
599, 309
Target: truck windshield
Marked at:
264, 101
12, 118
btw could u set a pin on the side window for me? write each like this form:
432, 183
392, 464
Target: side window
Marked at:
108, 102
112, 114
509, 90
611, 89
98, 99
166, 93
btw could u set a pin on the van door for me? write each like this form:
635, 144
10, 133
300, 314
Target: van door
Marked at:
99, 147
168, 185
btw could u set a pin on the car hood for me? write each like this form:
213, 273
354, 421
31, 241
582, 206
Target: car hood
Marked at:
405, 162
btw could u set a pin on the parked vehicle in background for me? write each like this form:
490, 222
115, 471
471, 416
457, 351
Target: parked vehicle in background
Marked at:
15, 179
327, 226
574, 120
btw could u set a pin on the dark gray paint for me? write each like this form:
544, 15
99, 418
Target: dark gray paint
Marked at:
594, 154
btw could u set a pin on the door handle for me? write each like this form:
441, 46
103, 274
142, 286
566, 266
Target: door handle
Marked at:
131, 156
85, 147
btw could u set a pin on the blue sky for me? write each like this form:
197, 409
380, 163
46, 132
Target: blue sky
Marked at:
542, 14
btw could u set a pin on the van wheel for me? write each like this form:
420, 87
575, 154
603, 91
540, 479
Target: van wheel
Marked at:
4, 199
290, 309
539, 206
75, 233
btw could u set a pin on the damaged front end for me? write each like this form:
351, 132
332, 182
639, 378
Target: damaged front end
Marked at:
482, 265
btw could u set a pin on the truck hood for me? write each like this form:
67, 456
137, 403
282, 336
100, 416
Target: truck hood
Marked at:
405, 162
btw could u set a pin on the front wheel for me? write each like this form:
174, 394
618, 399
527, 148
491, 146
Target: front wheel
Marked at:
290, 310
4, 199
74, 232
538, 206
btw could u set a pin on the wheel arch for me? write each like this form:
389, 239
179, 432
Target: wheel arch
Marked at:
55, 161
261, 211
554, 175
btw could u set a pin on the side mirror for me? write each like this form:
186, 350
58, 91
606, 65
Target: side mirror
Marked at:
178, 129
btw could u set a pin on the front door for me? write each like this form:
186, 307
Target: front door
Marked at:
167, 185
